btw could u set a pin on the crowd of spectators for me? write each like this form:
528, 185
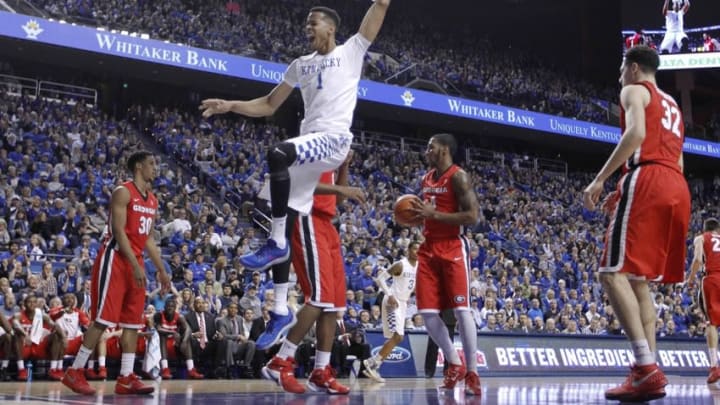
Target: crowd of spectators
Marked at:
534, 252
272, 30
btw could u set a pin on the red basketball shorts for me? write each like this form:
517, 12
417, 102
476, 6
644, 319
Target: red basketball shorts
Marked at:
709, 299
318, 263
646, 234
73, 346
116, 298
40, 351
443, 275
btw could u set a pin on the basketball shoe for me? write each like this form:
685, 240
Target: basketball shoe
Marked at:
644, 383
282, 371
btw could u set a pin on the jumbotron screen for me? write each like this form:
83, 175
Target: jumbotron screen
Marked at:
686, 33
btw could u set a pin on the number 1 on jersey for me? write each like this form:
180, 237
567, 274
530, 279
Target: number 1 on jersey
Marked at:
319, 87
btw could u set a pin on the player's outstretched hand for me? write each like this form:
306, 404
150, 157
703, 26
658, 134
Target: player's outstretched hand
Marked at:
212, 106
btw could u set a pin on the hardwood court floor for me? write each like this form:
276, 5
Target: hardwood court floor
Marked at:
405, 391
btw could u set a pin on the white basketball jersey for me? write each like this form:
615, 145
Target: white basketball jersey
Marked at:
329, 86
404, 284
70, 324
674, 21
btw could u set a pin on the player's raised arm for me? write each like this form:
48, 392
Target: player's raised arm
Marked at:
260, 107
665, 7
686, 7
373, 20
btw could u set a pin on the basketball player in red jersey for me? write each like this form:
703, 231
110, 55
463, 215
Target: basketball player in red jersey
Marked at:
443, 271
707, 251
649, 216
118, 276
318, 262
44, 340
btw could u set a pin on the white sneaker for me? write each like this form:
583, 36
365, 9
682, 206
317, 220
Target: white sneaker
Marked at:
371, 370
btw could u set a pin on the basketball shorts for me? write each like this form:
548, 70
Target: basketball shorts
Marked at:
73, 346
116, 298
318, 262
113, 349
40, 351
393, 320
709, 298
672, 42
317, 153
646, 234
443, 275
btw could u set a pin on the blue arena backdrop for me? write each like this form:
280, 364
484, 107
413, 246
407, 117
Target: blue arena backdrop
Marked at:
519, 354
703, 17
129, 45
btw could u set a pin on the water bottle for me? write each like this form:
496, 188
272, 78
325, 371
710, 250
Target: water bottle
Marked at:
30, 371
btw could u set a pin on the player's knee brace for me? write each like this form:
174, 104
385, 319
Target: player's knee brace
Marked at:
280, 157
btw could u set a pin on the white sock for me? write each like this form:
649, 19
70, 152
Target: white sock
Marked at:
281, 291
322, 359
468, 337
127, 363
287, 349
101, 361
163, 363
54, 364
21, 364
91, 364
277, 231
641, 350
189, 364
5, 363
712, 352
438, 332
377, 359
82, 357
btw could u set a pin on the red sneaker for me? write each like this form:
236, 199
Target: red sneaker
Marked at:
22, 375
193, 374
282, 371
714, 375
102, 373
165, 374
644, 383
472, 384
91, 374
322, 379
56, 374
454, 374
75, 380
131, 385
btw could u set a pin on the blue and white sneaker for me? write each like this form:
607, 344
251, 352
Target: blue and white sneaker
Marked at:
275, 330
268, 255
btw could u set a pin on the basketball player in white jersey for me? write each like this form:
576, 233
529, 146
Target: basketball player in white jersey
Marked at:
394, 307
328, 79
675, 38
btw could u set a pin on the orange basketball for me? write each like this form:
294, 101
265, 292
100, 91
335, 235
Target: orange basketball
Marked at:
403, 211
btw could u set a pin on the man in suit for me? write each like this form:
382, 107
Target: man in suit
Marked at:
234, 332
348, 340
83, 297
202, 332
257, 327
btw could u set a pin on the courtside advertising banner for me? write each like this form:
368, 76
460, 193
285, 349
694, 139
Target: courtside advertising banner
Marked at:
521, 354
134, 46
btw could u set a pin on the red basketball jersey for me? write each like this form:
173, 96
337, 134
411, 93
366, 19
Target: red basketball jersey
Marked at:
711, 249
140, 216
169, 324
664, 131
325, 204
440, 193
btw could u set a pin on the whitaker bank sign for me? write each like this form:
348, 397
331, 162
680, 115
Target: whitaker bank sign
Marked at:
154, 51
